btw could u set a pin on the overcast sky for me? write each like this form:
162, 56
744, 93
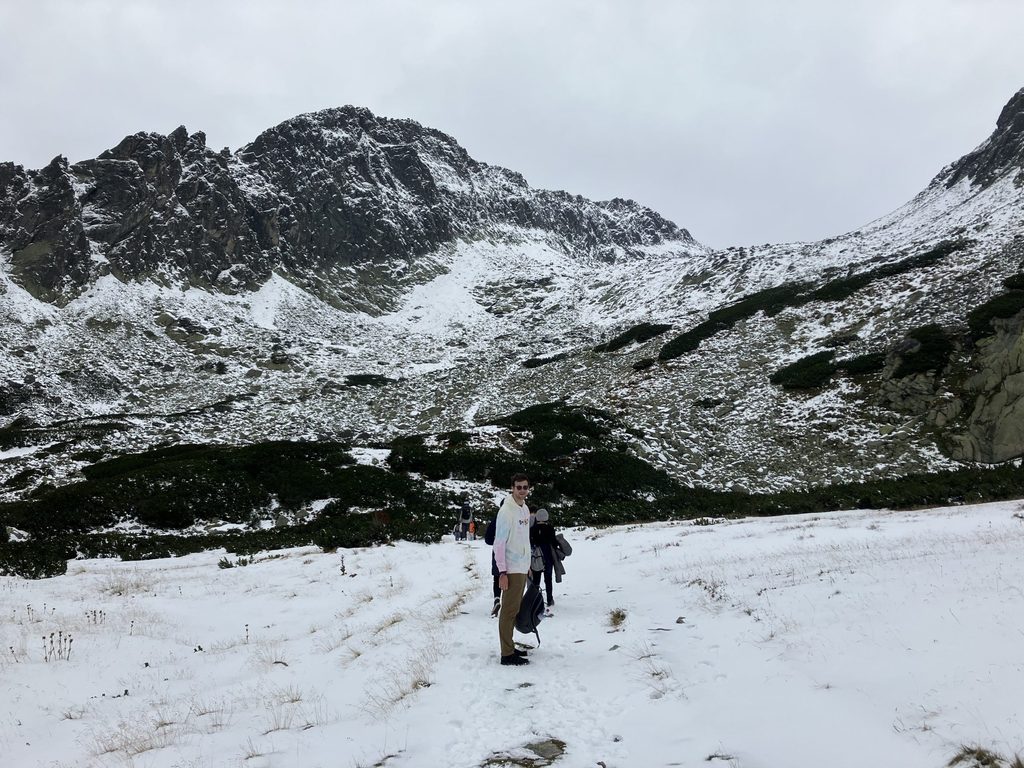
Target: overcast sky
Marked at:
745, 121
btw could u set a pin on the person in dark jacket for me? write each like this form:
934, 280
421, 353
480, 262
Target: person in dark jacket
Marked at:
496, 589
465, 518
542, 536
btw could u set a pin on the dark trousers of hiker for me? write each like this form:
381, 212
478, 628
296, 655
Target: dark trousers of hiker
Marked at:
535, 578
494, 578
509, 608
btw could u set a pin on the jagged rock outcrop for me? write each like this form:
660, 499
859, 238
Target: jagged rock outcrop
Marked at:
914, 394
162, 207
309, 197
976, 402
42, 227
387, 187
1001, 153
990, 403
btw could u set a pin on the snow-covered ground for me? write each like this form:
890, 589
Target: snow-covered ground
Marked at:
844, 640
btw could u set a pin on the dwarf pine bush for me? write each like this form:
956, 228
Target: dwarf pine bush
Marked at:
810, 372
579, 468
638, 333
934, 352
1003, 305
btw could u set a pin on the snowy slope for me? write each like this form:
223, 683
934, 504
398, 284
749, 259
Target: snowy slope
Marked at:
850, 639
444, 324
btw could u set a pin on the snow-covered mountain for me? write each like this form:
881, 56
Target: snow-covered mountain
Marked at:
350, 275
311, 198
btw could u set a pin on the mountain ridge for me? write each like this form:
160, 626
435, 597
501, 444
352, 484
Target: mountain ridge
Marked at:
1003, 149
480, 296
309, 197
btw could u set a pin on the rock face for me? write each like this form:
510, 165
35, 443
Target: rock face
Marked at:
151, 207
975, 402
1002, 152
311, 197
991, 400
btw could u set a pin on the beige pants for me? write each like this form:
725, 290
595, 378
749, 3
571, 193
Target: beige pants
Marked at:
510, 601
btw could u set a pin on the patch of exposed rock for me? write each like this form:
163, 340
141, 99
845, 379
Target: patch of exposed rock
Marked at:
988, 414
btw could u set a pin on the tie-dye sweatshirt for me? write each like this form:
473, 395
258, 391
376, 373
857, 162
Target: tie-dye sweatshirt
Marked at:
512, 537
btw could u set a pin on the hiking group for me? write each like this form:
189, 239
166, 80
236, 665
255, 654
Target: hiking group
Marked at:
525, 548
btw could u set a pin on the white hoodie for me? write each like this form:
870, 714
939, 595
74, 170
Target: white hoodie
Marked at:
512, 537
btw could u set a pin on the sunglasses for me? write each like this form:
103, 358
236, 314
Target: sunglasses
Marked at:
521, 487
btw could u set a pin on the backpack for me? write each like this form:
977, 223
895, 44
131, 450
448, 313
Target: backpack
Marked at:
537, 560
531, 611
489, 533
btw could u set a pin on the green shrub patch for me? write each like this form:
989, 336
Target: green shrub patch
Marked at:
1014, 282
537, 362
843, 288
873, 362
36, 559
574, 457
603, 488
637, 334
933, 354
809, 372
367, 380
772, 301
173, 487
593, 423
1004, 305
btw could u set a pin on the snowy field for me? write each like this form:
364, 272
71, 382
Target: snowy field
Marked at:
847, 640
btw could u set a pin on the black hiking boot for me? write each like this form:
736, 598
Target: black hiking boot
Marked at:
512, 660
520, 653
551, 601
496, 608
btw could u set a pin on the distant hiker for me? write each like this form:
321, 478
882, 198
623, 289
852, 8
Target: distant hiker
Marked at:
512, 560
465, 518
542, 537
472, 530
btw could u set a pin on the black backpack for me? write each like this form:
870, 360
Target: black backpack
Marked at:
489, 533
531, 611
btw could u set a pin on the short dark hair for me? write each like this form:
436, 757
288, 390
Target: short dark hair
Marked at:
518, 477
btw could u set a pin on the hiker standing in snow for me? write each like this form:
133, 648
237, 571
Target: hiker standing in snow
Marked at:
464, 520
512, 559
542, 537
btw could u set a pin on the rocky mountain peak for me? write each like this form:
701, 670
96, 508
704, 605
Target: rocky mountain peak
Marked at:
1012, 115
1000, 154
329, 128
319, 192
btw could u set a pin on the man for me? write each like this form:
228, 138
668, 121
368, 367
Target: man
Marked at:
512, 558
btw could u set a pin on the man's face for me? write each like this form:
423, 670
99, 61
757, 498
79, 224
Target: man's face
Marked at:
520, 489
